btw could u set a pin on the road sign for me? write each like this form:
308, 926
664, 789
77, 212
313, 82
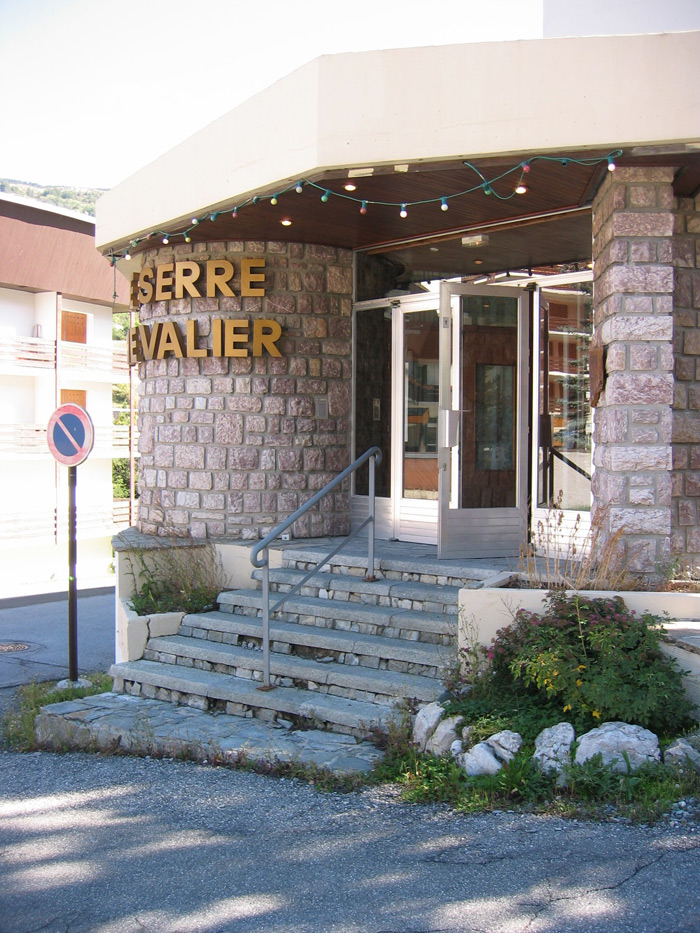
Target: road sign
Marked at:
70, 434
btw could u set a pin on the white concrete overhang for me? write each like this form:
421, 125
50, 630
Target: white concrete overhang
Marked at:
422, 107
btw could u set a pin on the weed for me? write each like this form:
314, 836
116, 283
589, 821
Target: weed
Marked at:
178, 575
561, 556
18, 722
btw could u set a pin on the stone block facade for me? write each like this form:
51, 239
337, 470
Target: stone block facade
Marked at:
633, 224
231, 446
685, 538
646, 484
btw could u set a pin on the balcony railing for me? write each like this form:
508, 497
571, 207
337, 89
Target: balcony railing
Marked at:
44, 526
29, 440
36, 353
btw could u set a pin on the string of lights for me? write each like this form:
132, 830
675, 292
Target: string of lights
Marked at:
486, 185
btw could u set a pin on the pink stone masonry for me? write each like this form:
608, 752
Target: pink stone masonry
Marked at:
685, 543
230, 447
633, 226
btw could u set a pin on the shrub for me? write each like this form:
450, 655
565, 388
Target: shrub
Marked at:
596, 659
179, 575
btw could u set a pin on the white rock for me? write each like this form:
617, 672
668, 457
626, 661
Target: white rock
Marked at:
426, 720
444, 735
553, 747
505, 745
615, 739
480, 760
682, 754
456, 749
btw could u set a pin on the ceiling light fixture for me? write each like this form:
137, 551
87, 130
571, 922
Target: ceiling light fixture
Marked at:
286, 222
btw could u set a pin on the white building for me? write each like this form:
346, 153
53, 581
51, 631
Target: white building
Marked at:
57, 296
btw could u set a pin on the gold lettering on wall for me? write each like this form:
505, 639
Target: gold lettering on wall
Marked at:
230, 338
175, 279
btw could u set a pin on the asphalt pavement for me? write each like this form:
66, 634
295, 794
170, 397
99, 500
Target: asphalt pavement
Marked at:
118, 844
34, 637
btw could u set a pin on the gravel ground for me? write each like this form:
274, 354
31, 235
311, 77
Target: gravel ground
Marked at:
92, 843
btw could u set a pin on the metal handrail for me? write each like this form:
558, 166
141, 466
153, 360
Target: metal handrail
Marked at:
260, 555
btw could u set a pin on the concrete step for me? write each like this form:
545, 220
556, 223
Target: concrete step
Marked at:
431, 571
241, 697
371, 684
311, 641
389, 621
431, 597
682, 643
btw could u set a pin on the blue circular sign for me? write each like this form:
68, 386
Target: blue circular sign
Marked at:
70, 434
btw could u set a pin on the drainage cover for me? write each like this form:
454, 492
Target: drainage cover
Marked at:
13, 646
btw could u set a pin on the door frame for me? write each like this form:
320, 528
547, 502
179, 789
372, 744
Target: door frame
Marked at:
429, 521
472, 532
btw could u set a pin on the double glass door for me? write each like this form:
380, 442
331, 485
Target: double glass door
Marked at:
439, 388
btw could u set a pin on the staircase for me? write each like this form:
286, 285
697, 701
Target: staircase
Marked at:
343, 652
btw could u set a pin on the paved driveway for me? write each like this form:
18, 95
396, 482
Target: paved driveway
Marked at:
117, 845
41, 623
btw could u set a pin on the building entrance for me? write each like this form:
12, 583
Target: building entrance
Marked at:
441, 388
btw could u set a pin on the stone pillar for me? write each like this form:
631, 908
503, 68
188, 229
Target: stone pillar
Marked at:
633, 226
231, 446
685, 539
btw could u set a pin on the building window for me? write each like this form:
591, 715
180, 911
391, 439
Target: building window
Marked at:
565, 415
74, 326
74, 397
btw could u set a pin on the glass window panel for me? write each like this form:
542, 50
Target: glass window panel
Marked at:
565, 423
373, 396
421, 350
494, 417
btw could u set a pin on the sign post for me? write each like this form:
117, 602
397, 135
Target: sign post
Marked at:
70, 435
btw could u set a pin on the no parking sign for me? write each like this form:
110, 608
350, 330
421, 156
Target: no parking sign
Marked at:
70, 434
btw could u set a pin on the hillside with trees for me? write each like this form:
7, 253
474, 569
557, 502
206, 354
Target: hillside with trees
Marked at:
72, 199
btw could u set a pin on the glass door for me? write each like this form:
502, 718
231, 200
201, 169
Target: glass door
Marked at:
482, 444
416, 388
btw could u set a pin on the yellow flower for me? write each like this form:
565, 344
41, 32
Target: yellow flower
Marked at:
581, 667
596, 714
578, 683
567, 707
555, 673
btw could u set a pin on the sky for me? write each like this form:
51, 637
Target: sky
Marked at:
93, 90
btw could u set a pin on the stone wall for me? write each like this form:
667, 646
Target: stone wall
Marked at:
685, 540
633, 226
231, 446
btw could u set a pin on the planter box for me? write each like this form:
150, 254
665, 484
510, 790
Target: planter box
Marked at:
133, 631
483, 612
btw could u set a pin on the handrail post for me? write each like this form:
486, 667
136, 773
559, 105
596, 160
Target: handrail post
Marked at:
370, 533
266, 618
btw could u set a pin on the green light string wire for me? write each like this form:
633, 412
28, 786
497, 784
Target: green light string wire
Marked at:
486, 185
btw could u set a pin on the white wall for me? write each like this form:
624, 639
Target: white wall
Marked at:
618, 17
16, 313
16, 400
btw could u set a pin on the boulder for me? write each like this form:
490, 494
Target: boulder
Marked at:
444, 736
456, 749
426, 720
682, 754
480, 760
614, 740
505, 745
553, 747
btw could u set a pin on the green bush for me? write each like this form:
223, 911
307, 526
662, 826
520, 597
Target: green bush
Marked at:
596, 660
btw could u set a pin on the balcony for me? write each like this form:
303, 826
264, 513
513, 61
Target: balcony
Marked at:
22, 441
18, 354
43, 526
